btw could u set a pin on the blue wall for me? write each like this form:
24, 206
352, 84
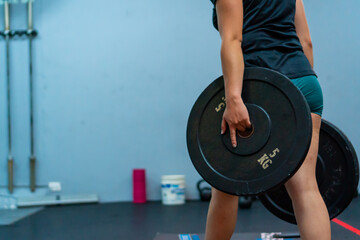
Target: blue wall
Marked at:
115, 82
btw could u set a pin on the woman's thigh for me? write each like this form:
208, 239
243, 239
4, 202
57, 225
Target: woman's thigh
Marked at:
305, 178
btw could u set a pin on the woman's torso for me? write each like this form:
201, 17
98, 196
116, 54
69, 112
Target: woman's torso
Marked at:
270, 39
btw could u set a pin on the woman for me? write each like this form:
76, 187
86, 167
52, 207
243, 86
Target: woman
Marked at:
272, 34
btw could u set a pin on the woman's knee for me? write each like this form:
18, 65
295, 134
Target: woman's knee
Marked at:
298, 188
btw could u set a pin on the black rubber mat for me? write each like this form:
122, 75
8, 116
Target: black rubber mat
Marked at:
143, 221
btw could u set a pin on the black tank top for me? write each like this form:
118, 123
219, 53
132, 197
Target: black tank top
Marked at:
270, 39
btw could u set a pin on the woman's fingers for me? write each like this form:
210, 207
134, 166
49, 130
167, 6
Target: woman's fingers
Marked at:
237, 119
223, 126
233, 136
244, 126
240, 128
248, 124
233, 131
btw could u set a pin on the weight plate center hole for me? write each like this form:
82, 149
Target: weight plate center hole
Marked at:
247, 133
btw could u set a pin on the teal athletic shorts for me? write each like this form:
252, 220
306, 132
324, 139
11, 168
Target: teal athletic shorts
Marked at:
310, 88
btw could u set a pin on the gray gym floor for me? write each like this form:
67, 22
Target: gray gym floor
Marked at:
144, 221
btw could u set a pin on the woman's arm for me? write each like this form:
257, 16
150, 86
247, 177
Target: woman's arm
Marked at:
230, 22
303, 32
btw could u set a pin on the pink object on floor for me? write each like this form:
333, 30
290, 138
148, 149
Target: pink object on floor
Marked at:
139, 186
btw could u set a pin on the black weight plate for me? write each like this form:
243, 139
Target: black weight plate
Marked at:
282, 132
337, 174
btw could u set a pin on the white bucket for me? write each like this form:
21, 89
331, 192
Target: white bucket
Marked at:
173, 189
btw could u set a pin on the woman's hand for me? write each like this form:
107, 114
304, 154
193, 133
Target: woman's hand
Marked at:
236, 116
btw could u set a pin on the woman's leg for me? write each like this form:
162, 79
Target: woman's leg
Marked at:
310, 210
222, 214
